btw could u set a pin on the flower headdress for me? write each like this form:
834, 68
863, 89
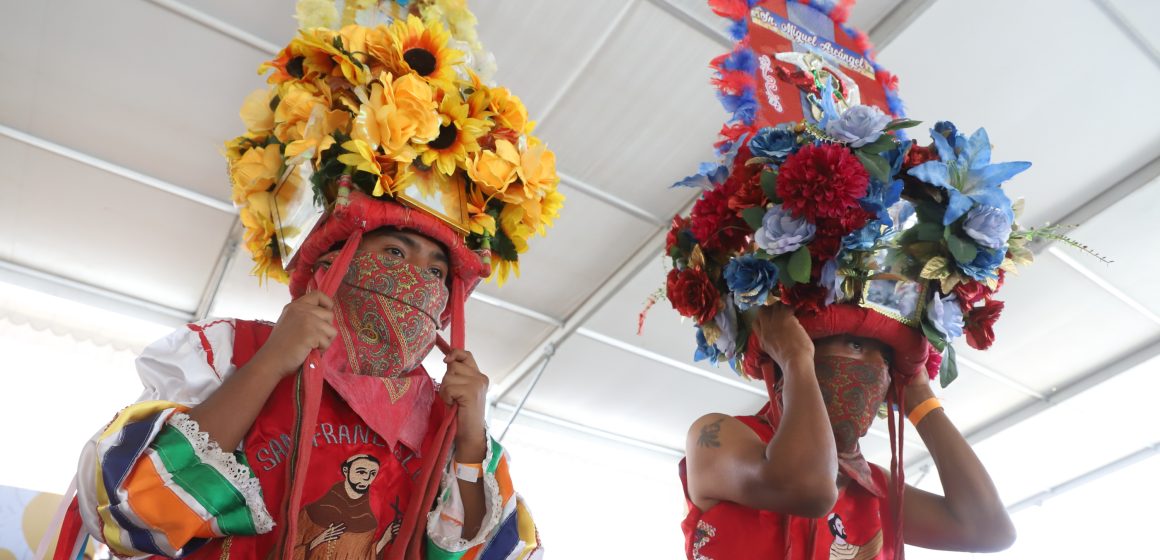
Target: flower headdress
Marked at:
400, 111
819, 198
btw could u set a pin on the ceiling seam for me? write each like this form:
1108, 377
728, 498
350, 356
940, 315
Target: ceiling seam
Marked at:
1134, 35
214, 24
1104, 285
1086, 478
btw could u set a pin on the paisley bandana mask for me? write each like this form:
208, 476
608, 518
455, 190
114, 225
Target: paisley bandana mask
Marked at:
387, 313
852, 390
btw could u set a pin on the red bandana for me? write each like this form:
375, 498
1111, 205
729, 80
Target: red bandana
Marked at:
386, 312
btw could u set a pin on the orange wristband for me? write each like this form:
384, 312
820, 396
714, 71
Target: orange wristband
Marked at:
924, 408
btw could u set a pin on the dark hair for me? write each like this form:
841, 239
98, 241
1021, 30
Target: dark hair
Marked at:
346, 464
832, 521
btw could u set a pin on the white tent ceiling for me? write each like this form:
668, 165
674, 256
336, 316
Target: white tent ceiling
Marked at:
113, 192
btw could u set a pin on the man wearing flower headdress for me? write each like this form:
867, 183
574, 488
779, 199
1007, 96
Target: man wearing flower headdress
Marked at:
322, 436
837, 262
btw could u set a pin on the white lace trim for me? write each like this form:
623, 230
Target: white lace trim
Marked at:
493, 504
239, 475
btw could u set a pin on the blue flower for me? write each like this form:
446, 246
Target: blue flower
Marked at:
988, 226
986, 264
946, 316
859, 125
967, 174
780, 232
726, 321
775, 143
750, 279
880, 197
865, 238
708, 175
705, 351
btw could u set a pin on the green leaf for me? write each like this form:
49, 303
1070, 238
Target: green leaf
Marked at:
963, 250
949, 370
936, 338
927, 231
876, 165
930, 211
800, 265
783, 275
769, 185
883, 143
901, 123
753, 216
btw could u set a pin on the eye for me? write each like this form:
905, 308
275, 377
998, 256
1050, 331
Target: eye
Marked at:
857, 345
395, 251
438, 272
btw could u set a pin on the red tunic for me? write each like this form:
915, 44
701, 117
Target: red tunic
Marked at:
729, 531
358, 486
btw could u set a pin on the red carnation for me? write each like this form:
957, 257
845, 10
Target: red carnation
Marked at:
973, 291
804, 298
918, 155
748, 195
823, 181
692, 294
716, 226
980, 322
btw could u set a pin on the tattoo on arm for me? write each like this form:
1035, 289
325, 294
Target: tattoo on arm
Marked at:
709, 435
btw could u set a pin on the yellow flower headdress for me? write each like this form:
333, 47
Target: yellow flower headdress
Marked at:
393, 95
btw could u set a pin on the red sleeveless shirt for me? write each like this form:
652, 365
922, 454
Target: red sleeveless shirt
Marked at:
852, 530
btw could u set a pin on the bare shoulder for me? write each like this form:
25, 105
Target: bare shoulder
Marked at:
714, 431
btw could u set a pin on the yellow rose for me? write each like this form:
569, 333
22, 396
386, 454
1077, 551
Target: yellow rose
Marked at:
256, 113
255, 171
317, 134
495, 171
510, 112
537, 170
296, 103
398, 113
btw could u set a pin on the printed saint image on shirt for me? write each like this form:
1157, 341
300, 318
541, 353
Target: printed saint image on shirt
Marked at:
843, 550
341, 524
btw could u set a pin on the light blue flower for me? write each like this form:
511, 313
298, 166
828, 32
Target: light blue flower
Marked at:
858, 126
750, 279
726, 321
775, 143
880, 197
780, 232
708, 175
967, 174
988, 226
946, 316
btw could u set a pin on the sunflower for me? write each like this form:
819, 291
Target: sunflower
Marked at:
479, 221
423, 48
459, 133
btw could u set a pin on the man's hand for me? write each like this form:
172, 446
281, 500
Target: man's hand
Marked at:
466, 386
917, 390
782, 336
306, 323
331, 533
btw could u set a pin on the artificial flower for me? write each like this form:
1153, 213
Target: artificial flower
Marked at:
256, 171
726, 323
256, 112
494, 171
317, 135
988, 226
804, 298
316, 13
479, 221
980, 324
706, 351
864, 239
398, 114
985, 265
458, 136
832, 281
781, 232
509, 111
716, 226
750, 279
859, 125
945, 315
424, 50
774, 143
692, 294
822, 181
966, 174
537, 170
680, 226
296, 103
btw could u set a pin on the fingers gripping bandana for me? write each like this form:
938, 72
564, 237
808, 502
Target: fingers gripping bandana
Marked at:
387, 313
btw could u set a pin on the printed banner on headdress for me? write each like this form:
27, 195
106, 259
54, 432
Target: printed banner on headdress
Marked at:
797, 49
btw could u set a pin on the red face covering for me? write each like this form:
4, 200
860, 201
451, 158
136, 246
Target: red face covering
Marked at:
387, 313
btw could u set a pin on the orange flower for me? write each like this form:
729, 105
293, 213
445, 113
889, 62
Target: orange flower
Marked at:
397, 115
495, 171
256, 112
256, 171
296, 103
424, 50
537, 170
510, 112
